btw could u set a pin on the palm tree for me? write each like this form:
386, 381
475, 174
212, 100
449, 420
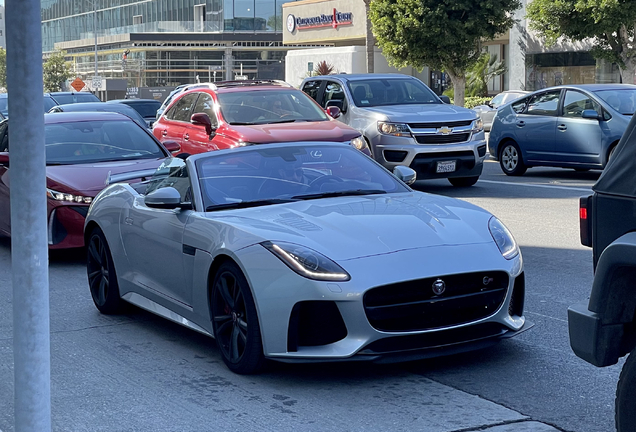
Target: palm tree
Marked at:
486, 68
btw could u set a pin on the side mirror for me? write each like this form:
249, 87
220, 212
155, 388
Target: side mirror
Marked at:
333, 111
590, 114
163, 198
445, 99
202, 119
489, 103
406, 174
172, 146
339, 103
4, 159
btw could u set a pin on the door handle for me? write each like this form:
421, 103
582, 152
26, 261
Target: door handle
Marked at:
562, 127
186, 137
521, 123
164, 132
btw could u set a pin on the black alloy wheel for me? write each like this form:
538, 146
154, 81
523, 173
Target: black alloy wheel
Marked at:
102, 278
626, 396
511, 160
463, 181
235, 321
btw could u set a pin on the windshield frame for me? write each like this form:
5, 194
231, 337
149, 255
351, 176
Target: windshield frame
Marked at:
352, 84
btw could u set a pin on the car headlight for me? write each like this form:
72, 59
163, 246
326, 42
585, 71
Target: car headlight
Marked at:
478, 125
359, 143
395, 129
62, 196
503, 238
307, 262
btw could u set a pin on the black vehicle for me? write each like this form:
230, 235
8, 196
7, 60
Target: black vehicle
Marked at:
64, 98
603, 329
147, 108
101, 106
48, 101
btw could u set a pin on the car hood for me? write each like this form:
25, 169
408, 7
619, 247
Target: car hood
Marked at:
424, 112
89, 179
332, 131
351, 227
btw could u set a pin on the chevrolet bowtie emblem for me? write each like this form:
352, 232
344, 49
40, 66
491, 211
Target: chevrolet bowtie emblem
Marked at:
444, 130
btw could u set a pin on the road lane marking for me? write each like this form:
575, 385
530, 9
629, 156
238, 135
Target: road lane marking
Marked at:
547, 316
536, 185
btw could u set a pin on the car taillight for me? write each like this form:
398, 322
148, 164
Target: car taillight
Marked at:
585, 222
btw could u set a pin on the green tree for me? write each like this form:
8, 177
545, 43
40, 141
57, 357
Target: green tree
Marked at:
441, 34
486, 68
275, 22
56, 71
3, 68
609, 24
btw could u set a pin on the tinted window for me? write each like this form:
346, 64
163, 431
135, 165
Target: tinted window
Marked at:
75, 98
519, 106
498, 100
48, 104
576, 102
182, 109
311, 88
205, 104
544, 103
98, 141
4, 136
146, 109
622, 100
391, 91
268, 106
4, 105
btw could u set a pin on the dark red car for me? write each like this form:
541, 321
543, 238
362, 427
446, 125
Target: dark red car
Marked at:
84, 151
234, 113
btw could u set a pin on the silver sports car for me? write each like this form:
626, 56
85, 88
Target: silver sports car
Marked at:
305, 252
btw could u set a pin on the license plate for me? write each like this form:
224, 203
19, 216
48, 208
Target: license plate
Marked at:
446, 166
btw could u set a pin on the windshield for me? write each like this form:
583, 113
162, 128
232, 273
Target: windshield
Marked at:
75, 98
104, 107
268, 106
146, 109
622, 100
97, 141
290, 173
390, 91
4, 105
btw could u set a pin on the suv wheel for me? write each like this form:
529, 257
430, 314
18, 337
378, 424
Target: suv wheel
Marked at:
511, 160
626, 396
463, 181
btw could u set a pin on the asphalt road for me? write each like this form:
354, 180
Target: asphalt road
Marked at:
136, 372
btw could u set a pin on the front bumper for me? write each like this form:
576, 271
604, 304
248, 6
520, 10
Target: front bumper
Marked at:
337, 323
469, 156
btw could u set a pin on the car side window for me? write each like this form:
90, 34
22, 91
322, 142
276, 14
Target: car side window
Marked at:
182, 110
205, 104
519, 106
334, 92
4, 136
544, 104
311, 88
172, 173
576, 102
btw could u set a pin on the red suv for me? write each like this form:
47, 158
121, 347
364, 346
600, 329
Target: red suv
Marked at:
234, 113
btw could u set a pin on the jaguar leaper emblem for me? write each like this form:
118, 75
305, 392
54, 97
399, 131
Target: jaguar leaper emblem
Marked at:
439, 286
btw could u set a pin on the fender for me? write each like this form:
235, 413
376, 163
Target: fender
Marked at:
605, 330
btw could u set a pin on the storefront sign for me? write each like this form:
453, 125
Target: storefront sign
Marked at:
334, 20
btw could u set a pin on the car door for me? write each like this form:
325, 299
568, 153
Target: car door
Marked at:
172, 127
198, 139
536, 126
5, 209
579, 140
153, 238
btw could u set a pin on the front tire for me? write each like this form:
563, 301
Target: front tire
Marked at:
463, 181
102, 278
511, 161
626, 396
235, 321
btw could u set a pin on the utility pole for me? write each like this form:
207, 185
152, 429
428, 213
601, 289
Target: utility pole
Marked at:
29, 235
95, 31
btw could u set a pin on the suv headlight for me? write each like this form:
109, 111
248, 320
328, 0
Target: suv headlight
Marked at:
61, 196
360, 143
503, 238
478, 125
307, 262
395, 129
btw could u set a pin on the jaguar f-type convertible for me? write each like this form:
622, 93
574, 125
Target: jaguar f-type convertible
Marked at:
304, 252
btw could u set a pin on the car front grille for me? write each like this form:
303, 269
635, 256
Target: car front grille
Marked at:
442, 139
451, 124
413, 305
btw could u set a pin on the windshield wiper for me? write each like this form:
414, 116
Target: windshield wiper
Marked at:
340, 193
246, 204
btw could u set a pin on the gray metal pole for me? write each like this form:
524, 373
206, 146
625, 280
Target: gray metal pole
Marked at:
95, 31
29, 245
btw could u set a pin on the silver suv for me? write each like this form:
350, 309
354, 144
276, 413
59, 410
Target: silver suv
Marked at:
405, 123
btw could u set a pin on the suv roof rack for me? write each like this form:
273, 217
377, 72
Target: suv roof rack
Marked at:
209, 85
240, 83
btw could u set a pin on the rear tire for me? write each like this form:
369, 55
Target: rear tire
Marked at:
626, 396
102, 279
463, 181
235, 321
511, 161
